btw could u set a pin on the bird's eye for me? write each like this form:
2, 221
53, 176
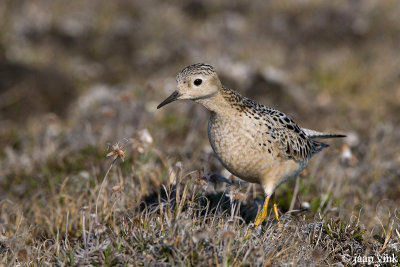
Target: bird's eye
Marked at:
197, 82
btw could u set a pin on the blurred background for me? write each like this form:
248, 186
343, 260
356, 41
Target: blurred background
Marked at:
76, 76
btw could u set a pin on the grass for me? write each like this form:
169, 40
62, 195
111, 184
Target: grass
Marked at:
191, 218
170, 202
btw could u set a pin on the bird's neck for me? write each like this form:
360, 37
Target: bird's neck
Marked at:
216, 103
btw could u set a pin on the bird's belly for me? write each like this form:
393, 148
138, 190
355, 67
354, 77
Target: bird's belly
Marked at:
238, 150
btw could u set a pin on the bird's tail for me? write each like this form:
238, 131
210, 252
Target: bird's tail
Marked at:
317, 146
321, 135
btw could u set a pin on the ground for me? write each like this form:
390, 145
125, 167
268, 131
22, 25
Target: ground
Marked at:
81, 81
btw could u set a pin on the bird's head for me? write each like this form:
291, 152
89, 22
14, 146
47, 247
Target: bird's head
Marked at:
195, 82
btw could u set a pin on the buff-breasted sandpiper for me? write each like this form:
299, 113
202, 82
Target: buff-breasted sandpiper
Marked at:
256, 143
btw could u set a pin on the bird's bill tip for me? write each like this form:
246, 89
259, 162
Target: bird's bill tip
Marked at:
174, 96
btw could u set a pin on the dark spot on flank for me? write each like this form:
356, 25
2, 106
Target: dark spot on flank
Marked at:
269, 141
275, 119
281, 121
269, 151
302, 136
259, 144
287, 119
265, 144
290, 127
257, 118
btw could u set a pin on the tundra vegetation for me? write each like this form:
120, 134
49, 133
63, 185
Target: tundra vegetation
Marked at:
92, 174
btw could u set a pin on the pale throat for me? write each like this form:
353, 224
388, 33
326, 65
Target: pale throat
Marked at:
214, 102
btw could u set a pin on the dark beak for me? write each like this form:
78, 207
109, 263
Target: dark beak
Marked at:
169, 99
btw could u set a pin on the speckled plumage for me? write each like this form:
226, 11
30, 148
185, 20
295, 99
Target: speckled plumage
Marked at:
257, 143
254, 142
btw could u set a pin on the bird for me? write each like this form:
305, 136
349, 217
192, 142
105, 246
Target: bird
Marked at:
256, 143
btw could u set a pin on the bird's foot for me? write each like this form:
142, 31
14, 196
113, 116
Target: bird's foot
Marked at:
277, 215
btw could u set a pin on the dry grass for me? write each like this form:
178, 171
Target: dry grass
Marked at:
332, 66
148, 210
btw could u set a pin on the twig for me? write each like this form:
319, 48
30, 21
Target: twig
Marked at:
102, 185
296, 190
66, 232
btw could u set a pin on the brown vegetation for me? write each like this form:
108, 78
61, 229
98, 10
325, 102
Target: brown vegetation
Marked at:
81, 80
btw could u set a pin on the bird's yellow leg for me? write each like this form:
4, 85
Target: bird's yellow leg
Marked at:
277, 214
263, 214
